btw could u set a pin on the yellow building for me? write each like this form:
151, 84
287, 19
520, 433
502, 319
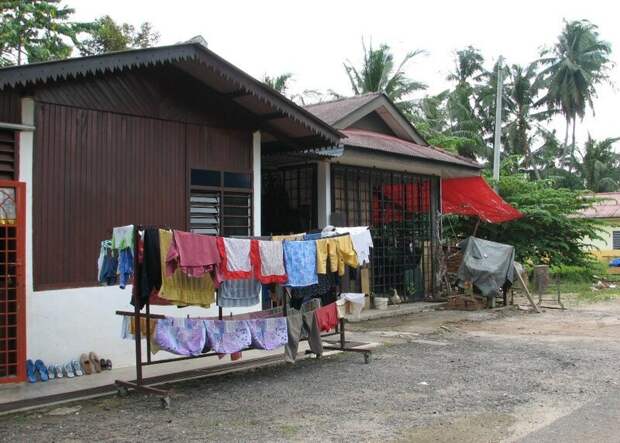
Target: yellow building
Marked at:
607, 211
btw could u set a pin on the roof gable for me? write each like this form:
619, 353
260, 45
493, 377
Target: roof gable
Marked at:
346, 112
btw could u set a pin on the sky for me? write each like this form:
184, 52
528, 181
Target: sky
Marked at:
312, 39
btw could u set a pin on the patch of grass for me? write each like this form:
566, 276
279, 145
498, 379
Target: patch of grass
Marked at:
289, 431
582, 292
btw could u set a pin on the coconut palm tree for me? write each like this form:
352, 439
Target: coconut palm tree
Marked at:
574, 68
521, 114
379, 73
599, 165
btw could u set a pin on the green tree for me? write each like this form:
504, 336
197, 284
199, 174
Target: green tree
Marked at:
36, 30
105, 35
600, 165
379, 73
280, 82
574, 67
549, 232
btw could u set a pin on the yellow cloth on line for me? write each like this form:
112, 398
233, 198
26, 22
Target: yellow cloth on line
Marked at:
288, 237
181, 289
339, 251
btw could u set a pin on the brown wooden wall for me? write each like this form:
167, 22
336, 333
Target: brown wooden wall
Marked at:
10, 107
94, 170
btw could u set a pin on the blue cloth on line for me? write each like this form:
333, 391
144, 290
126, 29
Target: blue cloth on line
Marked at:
313, 236
300, 263
125, 267
108, 270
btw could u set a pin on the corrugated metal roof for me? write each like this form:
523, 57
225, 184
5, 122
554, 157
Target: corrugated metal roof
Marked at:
609, 207
335, 110
380, 142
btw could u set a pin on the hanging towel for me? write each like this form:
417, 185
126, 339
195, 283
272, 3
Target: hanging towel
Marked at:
122, 237
238, 293
179, 288
291, 237
194, 254
327, 317
183, 336
362, 242
300, 263
228, 336
268, 261
268, 333
235, 258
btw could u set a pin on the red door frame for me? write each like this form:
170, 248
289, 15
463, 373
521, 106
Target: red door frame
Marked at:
20, 235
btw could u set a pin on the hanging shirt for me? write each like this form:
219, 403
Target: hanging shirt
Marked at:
123, 237
339, 251
300, 263
180, 289
327, 317
268, 261
362, 242
193, 254
235, 258
238, 293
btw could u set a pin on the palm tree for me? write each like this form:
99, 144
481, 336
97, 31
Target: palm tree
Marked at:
599, 165
521, 115
469, 66
378, 73
574, 67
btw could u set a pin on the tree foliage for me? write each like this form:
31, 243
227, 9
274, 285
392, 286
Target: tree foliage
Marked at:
105, 35
551, 231
35, 31
379, 73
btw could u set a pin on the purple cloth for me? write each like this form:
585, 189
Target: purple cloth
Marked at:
181, 336
228, 336
269, 333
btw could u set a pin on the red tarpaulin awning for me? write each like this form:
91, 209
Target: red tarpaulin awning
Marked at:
474, 197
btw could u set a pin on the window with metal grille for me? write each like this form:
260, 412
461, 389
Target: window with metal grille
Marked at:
616, 239
398, 207
220, 203
289, 199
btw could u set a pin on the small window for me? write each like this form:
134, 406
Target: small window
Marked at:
203, 177
616, 239
237, 180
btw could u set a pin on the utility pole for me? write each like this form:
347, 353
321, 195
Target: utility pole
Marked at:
498, 121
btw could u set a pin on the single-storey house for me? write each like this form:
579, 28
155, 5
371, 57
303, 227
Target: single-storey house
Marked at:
607, 211
177, 136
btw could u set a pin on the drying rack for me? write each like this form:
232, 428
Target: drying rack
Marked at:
139, 384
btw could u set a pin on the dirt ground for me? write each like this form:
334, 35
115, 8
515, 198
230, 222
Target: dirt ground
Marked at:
445, 376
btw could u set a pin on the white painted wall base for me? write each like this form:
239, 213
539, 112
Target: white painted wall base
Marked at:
63, 324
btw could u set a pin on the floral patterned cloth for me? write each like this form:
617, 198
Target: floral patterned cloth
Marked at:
228, 336
181, 336
300, 263
269, 333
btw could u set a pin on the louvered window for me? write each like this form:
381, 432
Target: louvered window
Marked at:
616, 239
220, 203
8, 155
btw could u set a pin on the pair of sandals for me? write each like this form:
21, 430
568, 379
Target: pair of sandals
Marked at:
92, 363
36, 371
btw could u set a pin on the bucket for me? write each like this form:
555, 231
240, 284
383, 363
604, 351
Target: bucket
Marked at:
381, 303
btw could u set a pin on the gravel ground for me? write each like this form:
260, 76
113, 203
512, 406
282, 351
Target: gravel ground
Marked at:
462, 382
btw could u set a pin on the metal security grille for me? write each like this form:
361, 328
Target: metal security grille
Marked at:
616, 239
289, 199
223, 207
12, 318
399, 209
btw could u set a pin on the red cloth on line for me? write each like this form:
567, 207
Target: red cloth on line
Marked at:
194, 254
327, 317
472, 196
